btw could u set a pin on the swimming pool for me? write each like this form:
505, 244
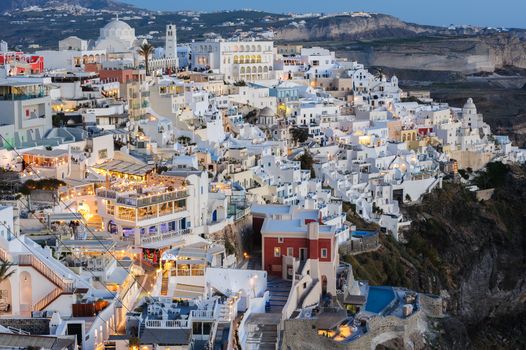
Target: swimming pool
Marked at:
361, 234
379, 298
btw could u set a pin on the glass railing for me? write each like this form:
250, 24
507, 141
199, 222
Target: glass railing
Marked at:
18, 97
145, 201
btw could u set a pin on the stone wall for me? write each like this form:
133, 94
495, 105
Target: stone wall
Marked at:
302, 334
35, 326
363, 244
433, 306
469, 159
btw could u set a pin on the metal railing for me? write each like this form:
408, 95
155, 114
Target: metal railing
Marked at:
167, 324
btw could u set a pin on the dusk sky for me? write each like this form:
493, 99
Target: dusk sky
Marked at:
502, 13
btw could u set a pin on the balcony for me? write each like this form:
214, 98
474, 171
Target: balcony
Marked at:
144, 201
21, 97
167, 324
164, 236
202, 315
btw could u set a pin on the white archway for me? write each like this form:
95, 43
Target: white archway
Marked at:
26, 291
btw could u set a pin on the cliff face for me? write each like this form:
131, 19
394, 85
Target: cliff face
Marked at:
481, 53
352, 28
412, 46
472, 253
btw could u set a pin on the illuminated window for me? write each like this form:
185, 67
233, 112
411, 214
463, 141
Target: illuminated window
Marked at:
277, 252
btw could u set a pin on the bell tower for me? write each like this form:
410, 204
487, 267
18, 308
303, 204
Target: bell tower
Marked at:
170, 49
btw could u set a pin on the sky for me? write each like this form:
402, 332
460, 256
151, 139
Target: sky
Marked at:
500, 13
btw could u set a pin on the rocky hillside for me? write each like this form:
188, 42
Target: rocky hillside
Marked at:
351, 28
9, 5
364, 26
471, 252
464, 54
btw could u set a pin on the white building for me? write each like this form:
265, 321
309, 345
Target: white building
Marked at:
27, 106
236, 60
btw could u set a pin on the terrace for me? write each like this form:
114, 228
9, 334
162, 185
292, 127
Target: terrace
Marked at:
45, 158
12, 91
147, 192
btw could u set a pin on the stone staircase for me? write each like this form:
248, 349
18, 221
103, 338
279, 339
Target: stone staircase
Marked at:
262, 337
220, 336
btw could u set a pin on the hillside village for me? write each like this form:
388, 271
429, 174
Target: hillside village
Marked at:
194, 195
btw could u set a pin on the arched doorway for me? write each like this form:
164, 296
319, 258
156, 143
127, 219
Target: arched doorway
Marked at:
214, 216
26, 295
112, 227
324, 284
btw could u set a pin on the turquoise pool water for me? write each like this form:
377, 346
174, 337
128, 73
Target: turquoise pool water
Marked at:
379, 298
361, 234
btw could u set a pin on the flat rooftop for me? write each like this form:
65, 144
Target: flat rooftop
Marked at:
125, 167
270, 209
292, 226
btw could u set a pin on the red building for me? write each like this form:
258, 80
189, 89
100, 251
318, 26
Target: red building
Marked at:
122, 75
22, 64
293, 234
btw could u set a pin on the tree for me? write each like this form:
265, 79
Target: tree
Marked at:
146, 50
306, 160
5, 270
299, 135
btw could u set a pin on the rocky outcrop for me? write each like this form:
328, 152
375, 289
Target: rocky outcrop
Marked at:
481, 53
467, 50
352, 28
472, 253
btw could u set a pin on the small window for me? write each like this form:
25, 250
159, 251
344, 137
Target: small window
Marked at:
280, 240
323, 252
277, 252
290, 251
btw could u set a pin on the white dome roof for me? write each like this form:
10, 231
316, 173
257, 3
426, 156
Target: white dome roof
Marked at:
117, 24
266, 112
116, 36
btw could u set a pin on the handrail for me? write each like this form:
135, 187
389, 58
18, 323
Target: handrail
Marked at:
61, 282
48, 299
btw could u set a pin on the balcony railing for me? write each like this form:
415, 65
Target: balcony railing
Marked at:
202, 314
19, 97
145, 201
167, 324
163, 236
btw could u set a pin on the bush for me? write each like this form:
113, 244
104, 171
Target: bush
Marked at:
299, 135
493, 176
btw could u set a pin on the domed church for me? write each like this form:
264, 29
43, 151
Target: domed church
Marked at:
116, 36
